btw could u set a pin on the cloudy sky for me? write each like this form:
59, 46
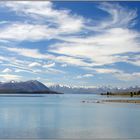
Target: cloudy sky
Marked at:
71, 43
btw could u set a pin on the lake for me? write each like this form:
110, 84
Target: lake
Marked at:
65, 116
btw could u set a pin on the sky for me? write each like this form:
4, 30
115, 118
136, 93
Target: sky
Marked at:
70, 43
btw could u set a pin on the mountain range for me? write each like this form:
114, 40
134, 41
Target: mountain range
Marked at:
92, 90
34, 86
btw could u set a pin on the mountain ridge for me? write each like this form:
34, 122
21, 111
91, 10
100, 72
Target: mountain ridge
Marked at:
91, 90
31, 86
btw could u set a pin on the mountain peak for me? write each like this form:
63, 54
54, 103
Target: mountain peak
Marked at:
91, 89
26, 86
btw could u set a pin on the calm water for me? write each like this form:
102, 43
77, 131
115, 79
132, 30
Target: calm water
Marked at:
64, 116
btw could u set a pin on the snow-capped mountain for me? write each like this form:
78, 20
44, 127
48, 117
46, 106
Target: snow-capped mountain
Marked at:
32, 86
91, 90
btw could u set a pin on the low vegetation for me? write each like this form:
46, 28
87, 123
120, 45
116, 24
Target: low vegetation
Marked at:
131, 94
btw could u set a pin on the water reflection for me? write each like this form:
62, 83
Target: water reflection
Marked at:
64, 116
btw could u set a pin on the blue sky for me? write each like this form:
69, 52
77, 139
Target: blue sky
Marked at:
70, 43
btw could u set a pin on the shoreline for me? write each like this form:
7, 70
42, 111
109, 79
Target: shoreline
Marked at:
123, 101
113, 101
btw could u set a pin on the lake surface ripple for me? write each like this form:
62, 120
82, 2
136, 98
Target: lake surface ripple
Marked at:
65, 116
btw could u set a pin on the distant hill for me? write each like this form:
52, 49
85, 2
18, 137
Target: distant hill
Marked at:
91, 90
32, 86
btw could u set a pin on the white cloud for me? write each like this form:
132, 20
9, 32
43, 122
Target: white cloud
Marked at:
38, 78
127, 76
84, 76
46, 12
46, 22
21, 31
64, 65
32, 53
118, 17
54, 71
71, 61
105, 70
7, 70
17, 64
137, 62
49, 65
20, 70
34, 64
8, 77
101, 49
3, 58
85, 43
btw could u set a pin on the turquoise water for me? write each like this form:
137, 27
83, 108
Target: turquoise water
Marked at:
65, 116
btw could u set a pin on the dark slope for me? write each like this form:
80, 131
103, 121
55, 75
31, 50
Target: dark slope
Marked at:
32, 86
